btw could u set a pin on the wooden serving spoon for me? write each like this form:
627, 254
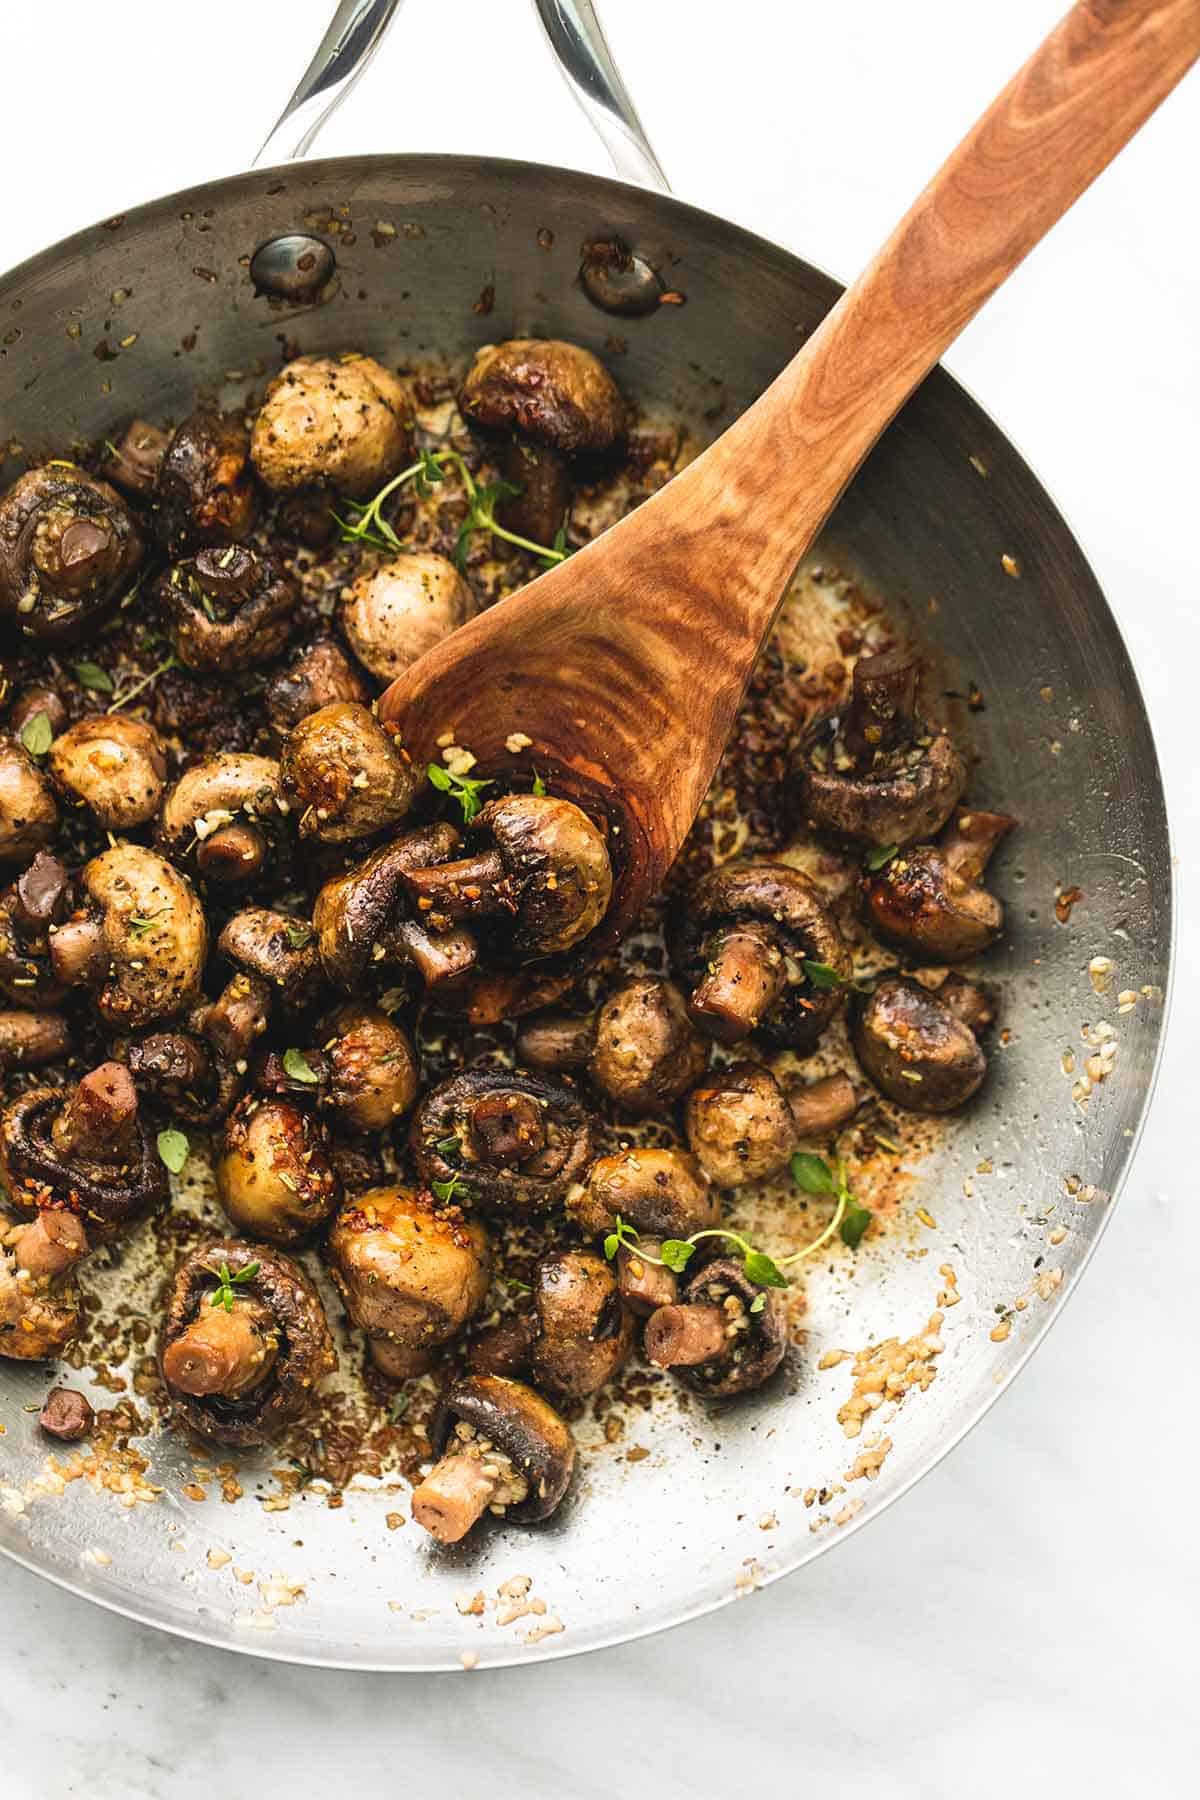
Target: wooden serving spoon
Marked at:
623, 667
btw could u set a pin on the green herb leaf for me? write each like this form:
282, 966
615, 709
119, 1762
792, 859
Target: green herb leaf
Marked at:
91, 675
223, 1294
141, 923
37, 734
446, 1190
299, 935
821, 975
448, 1145
463, 789
518, 1287
539, 786
400, 1405
855, 1220
812, 1173
757, 1305
763, 1269
677, 1253
879, 859
623, 1235
295, 1067
173, 1148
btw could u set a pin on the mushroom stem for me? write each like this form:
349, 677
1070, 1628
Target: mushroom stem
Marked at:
682, 1337
52, 1243
823, 1106
746, 975
99, 1119
537, 511
437, 956
77, 951
557, 1040
235, 853
882, 706
645, 1287
454, 1494
238, 1016
464, 889
971, 840
507, 1129
225, 1353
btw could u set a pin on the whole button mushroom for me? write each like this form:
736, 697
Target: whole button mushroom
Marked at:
320, 675
372, 1071
916, 1048
929, 900
547, 868
724, 1335
139, 939
69, 549
39, 1296
242, 1358
662, 1194
227, 610
34, 905
275, 1179
395, 612
336, 422
744, 1123
412, 1274
748, 940
363, 920
225, 809
344, 776
178, 1077
501, 1449
584, 1334
205, 484
508, 1143
640, 1048
115, 766
878, 775
546, 402
28, 814
133, 462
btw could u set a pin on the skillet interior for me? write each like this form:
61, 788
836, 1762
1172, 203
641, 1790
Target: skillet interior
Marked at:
1064, 743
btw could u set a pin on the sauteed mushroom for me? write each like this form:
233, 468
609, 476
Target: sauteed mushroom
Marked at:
28, 814
178, 1077
28, 1039
916, 1047
344, 776
34, 700
744, 1123
337, 422
360, 917
662, 1194
584, 1334
398, 610
227, 609
319, 676
222, 809
412, 1274
36, 902
238, 1374
930, 900
68, 550
724, 1335
502, 1449
133, 462
640, 1048
878, 774
372, 1070
139, 938
274, 962
275, 1179
205, 488
745, 940
39, 1297
510, 1143
114, 765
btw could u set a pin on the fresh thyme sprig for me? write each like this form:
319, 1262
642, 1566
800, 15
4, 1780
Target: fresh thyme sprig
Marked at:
224, 1293
446, 1190
461, 787
139, 687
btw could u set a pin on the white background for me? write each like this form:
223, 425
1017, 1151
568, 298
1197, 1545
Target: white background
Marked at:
1025, 1621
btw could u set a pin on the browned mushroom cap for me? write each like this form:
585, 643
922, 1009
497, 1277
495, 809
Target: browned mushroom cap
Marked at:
366, 907
412, 1274
28, 815
549, 868
68, 550
133, 462
647, 1051
177, 1076
928, 900
304, 1352
741, 940
725, 1336
878, 774
514, 1143
30, 702
501, 1426
503, 1348
276, 947
85, 1150
396, 611
372, 1068
915, 1048
29, 1039
584, 1333
227, 610
38, 900
344, 776
743, 1123
140, 938
39, 1309
206, 489
335, 422
320, 675
274, 1176
224, 810
114, 765
661, 1193
549, 392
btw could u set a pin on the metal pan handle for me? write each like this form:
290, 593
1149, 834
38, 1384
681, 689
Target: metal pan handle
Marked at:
573, 32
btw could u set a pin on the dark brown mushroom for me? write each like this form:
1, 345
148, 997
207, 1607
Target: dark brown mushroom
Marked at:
512, 1143
39, 1296
547, 869
640, 1048
178, 1076
396, 611
412, 1274
115, 766
361, 918
259, 1370
502, 1449
275, 1179
916, 1048
332, 422
929, 900
29, 1039
133, 462
877, 774
320, 675
743, 1123
725, 1335
37, 901
761, 952
206, 489
584, 1333
344, 776
28, 814
30, 702
69, 549
224, 811
139, 938
227, 610
66, 1415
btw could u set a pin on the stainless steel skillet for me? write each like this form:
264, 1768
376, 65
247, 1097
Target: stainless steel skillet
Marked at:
945, 512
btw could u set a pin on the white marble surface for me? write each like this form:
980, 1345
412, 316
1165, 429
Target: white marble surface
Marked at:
1025, 1620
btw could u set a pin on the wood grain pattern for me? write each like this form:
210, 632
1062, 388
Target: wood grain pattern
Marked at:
625, 665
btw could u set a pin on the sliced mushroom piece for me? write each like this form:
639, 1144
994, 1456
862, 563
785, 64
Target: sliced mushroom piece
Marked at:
28, 814
745, 940
916, 1048
877, 774
251, 1389
206, 489
501, 1449
513, 1143
139, 939
319, 676
69, 549
133, 462
395, 612
584, 1333
744, 1123
640, 1047
227, 609
275, 1178
412, 1274
724, 1336
66, 1415
359, 917
115, 766
930, 900
344, 776
35, 903
39, 1308
333, 422
226, 809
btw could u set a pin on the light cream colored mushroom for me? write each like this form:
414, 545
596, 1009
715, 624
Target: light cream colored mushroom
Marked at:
338, 422
114, 765
140, 939
397, 611
28, 814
